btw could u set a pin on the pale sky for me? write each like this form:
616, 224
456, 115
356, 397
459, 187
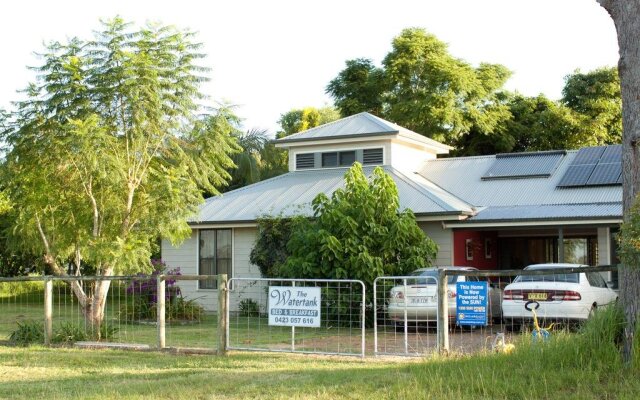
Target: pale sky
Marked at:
268, 57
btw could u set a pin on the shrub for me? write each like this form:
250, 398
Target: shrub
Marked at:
249, 308
28, 332
144, 292
69, 333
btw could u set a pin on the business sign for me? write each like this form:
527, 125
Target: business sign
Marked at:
471, 303
294, 306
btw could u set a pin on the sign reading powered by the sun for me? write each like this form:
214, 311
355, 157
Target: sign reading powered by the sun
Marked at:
294, 306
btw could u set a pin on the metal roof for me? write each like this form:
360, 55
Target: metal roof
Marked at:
359, 125
548, 212
462, 177
292, 193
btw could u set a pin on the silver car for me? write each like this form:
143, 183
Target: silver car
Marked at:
418, 298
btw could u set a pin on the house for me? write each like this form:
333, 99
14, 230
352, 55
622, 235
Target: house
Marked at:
501, 211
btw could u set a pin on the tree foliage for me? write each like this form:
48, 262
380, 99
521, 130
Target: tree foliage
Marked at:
298, 120
110, 151
424, 88
269, 252
358, 233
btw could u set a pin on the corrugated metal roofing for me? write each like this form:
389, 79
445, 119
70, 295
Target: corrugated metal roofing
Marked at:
462, 177
292, 193
548, 212
362, 124
524, 165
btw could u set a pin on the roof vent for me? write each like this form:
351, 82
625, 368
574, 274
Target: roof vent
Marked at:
372, 157
305, 161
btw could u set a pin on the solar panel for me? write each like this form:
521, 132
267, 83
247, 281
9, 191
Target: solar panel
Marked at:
594, 166
588, 155
524, 165
576, 175
605, 174
612, 154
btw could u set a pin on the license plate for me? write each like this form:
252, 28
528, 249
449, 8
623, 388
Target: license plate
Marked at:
537, 296
420, 300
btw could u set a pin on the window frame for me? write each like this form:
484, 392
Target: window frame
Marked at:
215, 265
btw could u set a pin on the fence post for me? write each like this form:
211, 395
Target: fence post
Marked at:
223, 314
161, 309
443, 313
48, 310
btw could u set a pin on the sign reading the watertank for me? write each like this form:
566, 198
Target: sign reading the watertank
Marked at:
471, 303
294, 306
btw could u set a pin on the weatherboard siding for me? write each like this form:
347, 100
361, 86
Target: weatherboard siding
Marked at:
443, 238
185, 256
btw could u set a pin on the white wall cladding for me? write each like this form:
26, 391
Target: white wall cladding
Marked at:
444, 240
185, 256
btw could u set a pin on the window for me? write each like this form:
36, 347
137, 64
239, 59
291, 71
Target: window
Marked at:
329, 159
347, 158
487, 249
215, 255
596, 280
468, 247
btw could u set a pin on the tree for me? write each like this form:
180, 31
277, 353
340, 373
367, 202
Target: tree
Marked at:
358, 233
626, 17
357, 88
596, 95
248, 162
298, 120
270, 250
108, 152
422, 87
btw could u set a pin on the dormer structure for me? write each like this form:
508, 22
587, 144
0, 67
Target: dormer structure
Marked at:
362, 137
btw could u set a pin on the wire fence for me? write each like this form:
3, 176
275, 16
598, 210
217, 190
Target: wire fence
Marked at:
140, 311
458, 310
297, 315
484, 309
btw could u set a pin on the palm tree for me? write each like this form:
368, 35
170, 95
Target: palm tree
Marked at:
248, 161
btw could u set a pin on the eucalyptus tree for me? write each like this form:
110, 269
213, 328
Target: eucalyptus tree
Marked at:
626, 18
110, 149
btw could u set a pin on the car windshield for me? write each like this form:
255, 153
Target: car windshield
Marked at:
568, 278
432, 274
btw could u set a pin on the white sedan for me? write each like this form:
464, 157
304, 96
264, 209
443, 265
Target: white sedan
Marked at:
418, 298
555, 296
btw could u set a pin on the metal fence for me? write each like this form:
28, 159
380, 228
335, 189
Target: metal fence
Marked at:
406, 315
337, 326
139, 311
535, 302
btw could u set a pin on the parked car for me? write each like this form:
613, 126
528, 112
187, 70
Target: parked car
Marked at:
419, 296
558, 296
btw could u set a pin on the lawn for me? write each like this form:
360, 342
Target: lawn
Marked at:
563, 368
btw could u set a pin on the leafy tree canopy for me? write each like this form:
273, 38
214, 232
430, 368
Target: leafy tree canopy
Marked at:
422, 87
112, 149
298, 120
358, 233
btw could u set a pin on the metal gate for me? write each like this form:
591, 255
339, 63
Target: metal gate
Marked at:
280, 315
406, 315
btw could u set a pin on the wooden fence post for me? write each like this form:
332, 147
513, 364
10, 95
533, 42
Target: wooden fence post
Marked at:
48, 310
223, 314
161, 309
443, 313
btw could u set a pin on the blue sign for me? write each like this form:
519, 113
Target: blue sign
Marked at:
471, 303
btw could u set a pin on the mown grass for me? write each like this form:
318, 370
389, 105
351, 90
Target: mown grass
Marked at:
582, 365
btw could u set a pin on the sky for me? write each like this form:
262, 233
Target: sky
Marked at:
268, 57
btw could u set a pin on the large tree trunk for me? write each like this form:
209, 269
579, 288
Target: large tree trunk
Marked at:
626, 17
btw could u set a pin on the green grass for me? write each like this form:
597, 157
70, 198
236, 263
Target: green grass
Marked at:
565, 368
